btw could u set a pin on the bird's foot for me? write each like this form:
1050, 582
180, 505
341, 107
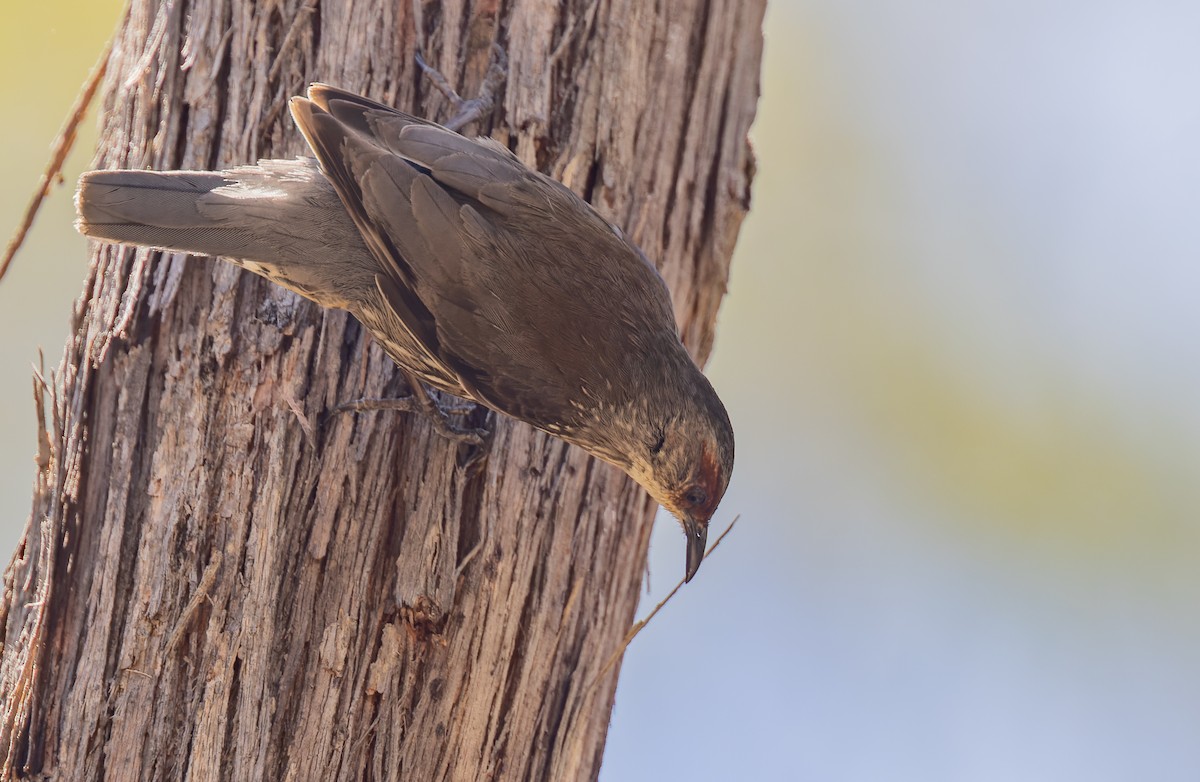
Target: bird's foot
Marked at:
468, 111
420, 401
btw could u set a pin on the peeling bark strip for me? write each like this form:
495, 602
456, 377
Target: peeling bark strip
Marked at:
217, 582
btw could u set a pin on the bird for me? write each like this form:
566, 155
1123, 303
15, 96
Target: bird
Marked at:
477, 275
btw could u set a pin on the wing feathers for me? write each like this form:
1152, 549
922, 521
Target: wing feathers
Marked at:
468, 257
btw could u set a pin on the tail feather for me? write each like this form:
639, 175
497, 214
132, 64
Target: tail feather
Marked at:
164, 210
281, 219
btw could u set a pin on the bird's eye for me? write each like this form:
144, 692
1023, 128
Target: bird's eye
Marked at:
696, 497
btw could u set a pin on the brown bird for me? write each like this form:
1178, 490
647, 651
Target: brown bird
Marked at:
477, 275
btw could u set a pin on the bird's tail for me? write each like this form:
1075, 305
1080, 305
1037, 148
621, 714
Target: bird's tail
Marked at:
281, 219
163, 210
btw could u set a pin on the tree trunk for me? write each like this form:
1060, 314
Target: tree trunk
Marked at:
219, 581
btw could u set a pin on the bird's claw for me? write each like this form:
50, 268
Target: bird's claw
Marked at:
438, 414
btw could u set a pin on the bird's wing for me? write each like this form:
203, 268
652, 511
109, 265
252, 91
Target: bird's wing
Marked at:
442, 214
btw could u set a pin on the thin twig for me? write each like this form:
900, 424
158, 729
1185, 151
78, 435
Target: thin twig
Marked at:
637, 628
306, 10
298, 411
573, 27
207, 579
40, 387
62, 147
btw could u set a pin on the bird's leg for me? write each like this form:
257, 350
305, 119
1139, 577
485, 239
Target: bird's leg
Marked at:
405, 404
468, 111
420, 401
440, 417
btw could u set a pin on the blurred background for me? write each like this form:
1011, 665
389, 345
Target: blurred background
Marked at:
960, 352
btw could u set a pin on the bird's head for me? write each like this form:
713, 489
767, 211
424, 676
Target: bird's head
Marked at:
685, 459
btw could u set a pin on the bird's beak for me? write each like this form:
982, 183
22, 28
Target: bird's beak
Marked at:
697, 536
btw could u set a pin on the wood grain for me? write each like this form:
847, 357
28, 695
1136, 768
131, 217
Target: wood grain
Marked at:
218, 580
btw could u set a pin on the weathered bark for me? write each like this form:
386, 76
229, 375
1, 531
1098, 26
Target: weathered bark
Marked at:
219, 582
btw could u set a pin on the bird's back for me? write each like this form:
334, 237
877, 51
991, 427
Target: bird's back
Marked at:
508, 278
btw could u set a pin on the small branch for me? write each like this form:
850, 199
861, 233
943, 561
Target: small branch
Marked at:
207, 580
305, 424
302, 14
637, 627
62, 147
40, 388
